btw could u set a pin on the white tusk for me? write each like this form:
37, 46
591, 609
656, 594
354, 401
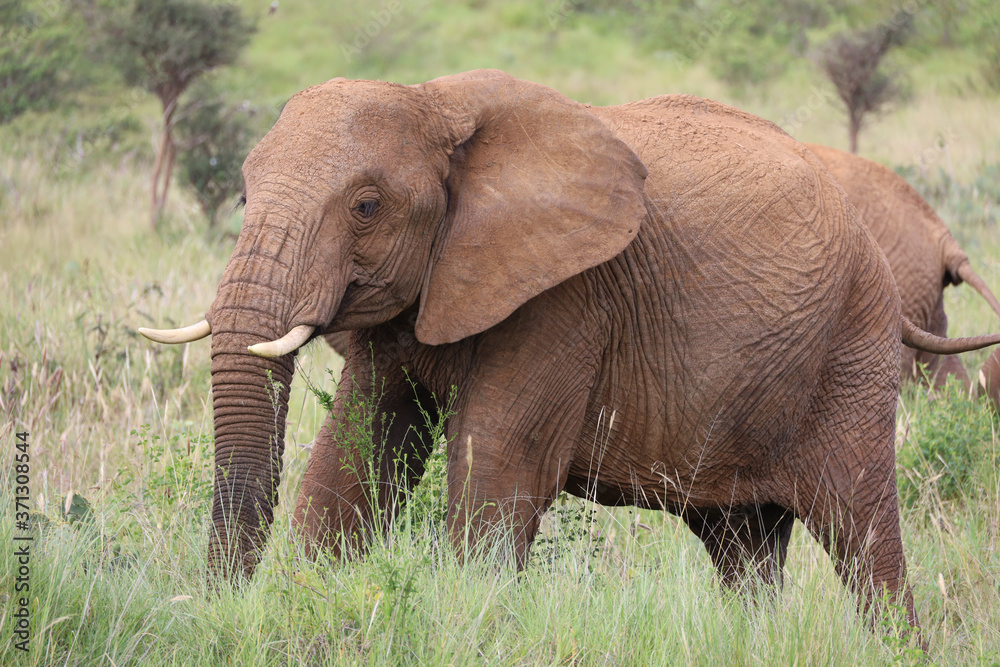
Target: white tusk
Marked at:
185, 335
290, 342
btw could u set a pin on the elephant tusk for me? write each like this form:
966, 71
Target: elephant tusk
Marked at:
173, 336
290, 342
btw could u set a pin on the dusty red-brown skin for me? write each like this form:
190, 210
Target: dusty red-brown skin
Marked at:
923, 255
667, 303
988, 381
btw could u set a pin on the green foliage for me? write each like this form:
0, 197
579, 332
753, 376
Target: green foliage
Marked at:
357, 434
946, 447
743, 43
898, 633
172, 477
989, 43
215, 138
164, 45
756, 47
573, 525
972, 210
38, 52
428, 502
76, 508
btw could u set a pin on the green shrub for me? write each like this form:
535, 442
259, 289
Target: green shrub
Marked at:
971, 210
749, 57
215, 139
37, 54
988, 41
948, 443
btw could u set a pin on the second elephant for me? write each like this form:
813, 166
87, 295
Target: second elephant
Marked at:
923, 255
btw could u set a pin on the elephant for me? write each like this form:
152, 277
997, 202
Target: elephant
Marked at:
668, 304
923, 255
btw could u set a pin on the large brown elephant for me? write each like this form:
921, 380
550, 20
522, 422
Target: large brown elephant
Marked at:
923, 255
667, 304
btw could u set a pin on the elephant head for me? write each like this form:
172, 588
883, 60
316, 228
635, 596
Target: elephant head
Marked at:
468, 195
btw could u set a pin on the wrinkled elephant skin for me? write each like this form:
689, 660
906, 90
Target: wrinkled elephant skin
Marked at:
667, 303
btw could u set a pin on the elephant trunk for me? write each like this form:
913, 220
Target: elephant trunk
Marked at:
262, 297
250, 401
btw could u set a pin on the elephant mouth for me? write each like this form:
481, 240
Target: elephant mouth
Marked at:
367, 297
351, 296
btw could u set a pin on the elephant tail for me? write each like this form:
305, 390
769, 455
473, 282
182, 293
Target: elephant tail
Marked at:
917, 338
965, 272
959, 269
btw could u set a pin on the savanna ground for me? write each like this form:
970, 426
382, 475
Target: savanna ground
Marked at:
118, 576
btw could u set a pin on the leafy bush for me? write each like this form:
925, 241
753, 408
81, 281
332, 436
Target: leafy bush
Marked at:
573, 522
972, 210
752, 53
172, 478
743, 43
945, 446
429, 500
37, 52
987, 41
215, 138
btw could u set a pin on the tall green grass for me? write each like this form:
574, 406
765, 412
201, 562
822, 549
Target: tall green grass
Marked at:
125, 583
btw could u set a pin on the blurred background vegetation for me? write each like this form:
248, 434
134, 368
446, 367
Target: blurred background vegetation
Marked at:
80, 77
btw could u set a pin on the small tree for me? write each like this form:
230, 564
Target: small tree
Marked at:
163, 46
851, 61
215, 138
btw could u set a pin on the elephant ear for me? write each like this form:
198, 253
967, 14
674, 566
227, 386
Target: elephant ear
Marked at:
539, 189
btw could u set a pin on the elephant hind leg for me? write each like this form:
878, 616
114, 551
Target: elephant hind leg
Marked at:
932, 368
843, 483
748, 545
862, 536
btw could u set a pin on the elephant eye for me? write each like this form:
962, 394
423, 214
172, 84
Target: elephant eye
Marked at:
366, 209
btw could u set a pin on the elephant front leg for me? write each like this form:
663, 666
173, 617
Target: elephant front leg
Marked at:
357, 477
511, 445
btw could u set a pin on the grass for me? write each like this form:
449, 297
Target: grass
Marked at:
126, 585
127, 425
